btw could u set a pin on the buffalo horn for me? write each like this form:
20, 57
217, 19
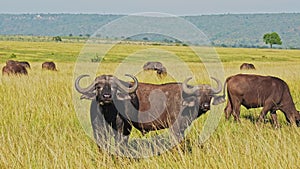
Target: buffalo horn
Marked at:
83, 90
219, 89
186, 89
125, 88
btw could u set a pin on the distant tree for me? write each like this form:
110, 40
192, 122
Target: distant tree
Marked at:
272, 38
57, 38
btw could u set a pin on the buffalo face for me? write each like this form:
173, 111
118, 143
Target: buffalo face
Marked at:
200, 95
106, 88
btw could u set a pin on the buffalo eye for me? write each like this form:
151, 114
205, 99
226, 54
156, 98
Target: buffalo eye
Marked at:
98, 87
120, 93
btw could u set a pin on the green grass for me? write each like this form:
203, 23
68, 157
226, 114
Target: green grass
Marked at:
39, 127
68, 52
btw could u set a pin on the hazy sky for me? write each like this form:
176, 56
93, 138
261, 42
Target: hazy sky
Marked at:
176, 7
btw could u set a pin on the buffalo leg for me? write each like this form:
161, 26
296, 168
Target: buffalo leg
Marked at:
264, 111
100, 127
122, 132
274, 119
236, 110
177, 129
180, 126
228, 110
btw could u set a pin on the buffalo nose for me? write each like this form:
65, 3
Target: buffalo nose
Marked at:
106, 96
206, 106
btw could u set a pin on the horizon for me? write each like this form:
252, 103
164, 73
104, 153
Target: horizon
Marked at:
88, 13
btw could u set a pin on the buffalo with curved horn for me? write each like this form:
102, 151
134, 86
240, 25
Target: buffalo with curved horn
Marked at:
160, 106
167, 105
112, 98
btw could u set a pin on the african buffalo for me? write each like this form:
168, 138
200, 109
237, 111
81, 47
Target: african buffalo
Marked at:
152, 106
13, 68
23, 63
157, 66
49, 66
111, 99
247, 66
254, 91
163, 105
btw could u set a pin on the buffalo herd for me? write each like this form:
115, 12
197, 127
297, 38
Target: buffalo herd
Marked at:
13, 67
122, 105
149, 107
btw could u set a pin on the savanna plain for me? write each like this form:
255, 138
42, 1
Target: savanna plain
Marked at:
39, 127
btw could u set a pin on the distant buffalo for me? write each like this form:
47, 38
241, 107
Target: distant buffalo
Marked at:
156, 66
23, 63
14, 68
247, 66
49, 66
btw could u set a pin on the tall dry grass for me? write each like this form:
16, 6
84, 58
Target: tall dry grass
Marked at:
39, 127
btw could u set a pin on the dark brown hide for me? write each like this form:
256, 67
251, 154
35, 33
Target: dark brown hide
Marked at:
25, 64
49, 66
13, 68
162, 105
254, 91
156, 66
247, 66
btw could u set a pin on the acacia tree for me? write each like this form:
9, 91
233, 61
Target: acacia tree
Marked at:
57, 39
272, 38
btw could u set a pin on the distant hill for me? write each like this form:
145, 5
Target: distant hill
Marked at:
236, 30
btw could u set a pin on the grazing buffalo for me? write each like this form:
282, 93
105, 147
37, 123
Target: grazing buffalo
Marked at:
247, 66
254, 91
49, 66
157, 66
14, 68
23, 63
112, 99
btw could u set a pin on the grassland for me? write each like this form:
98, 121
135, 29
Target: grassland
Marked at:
39, 127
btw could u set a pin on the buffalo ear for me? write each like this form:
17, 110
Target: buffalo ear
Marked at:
89, 96
123, 96
218, 100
